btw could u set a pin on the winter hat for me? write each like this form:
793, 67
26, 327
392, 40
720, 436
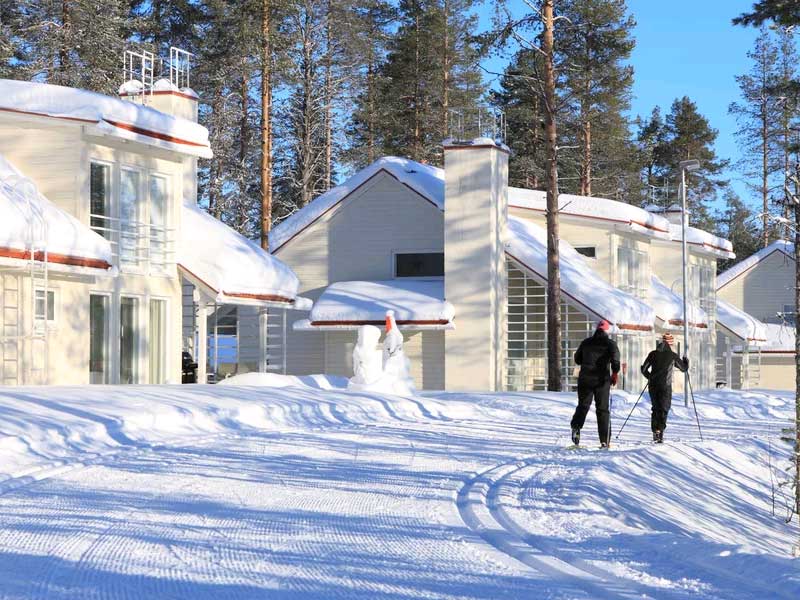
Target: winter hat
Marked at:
604, 325
668, 339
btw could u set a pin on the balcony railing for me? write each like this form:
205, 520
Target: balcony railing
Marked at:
137, 245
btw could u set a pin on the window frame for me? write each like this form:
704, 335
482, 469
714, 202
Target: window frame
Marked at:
50, 305
397, 253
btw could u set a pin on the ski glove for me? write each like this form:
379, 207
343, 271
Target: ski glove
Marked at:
613, 379
686, 362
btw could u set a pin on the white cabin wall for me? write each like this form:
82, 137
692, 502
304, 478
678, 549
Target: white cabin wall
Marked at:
763, 290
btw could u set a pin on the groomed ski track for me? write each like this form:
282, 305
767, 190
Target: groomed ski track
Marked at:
355, 496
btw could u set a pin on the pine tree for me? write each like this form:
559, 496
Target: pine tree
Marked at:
76, 43
736, 223
596, 43
368, 50
520, 98
13, 56
688, 135
759, 116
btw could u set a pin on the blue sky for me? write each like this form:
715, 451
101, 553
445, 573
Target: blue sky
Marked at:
683, 47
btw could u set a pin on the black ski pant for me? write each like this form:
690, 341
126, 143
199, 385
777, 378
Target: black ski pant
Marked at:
661, 400
589, 390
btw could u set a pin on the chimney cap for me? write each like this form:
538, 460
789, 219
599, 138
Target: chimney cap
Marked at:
478, 142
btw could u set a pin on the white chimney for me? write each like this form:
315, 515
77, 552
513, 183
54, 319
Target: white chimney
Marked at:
475, 215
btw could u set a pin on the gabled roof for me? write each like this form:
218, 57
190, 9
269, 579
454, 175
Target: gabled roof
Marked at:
742, 325
31, 221
709, 242
229, 266
107, 115
780, 246
584, 288
425, 180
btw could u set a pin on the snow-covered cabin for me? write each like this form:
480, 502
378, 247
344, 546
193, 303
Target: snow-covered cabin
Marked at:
451, 251
100, 237
760, 287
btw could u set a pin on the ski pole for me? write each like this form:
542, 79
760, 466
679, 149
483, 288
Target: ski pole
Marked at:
696, 416
630, 413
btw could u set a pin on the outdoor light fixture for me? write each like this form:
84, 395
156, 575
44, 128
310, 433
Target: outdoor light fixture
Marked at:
685, 165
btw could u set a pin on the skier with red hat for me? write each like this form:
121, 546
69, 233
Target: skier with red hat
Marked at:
658, 369
598, 357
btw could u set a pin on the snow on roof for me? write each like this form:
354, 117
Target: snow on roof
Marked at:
113, 116
748, 263
417, 304
426, 180
708, 241
227, 264
527, 245
668, 307
742, 325
780, 338
612, 211
70, 244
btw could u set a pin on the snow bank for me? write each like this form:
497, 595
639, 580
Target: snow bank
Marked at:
668, 307
780, 338
527, 245
113, 116
350, 304
603, 209
426, 180
782, 246
741, 324
218, 258
318, 382
70, 244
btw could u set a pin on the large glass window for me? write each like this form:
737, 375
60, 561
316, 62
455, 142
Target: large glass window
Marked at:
630, 271
98, 339
158, 222
128, 340
129, 222
157, 341
100, 199
45, 305
419, 264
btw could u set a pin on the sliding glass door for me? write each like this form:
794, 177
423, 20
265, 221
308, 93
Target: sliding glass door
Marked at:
98, 339
158, 341
128, 340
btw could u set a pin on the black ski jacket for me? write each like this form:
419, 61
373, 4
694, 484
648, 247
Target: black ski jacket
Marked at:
595, 355
657, 367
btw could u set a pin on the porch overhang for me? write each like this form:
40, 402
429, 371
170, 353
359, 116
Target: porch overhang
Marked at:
668, 307
419, 305
740, 325
230, 269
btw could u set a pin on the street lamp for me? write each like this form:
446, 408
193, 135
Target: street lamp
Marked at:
686, 165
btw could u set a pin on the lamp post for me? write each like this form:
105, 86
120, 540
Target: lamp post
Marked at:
686, 165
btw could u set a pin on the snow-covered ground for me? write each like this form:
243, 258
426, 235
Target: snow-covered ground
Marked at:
301, 490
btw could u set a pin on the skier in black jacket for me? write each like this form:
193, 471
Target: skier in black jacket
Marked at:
595, 355
657, 369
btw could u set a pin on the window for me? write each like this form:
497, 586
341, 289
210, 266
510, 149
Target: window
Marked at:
158, 222
630, 266
419, 264
129, 203
788, 314
157, 342
587, 251
45, 306
98, 339
100, 199
129, 340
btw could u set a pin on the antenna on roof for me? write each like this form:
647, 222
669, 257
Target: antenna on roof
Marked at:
138, 74
469, 123
179, 67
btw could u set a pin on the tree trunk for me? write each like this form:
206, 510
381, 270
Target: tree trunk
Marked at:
446, 71
417, 152
797, 354
371, 111
266, 123
553, 275
765, 165
63, 51
328, 98
586, 171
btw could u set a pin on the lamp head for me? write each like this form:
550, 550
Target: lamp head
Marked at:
689, 165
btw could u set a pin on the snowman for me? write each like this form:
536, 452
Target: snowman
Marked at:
395, 363
367, 367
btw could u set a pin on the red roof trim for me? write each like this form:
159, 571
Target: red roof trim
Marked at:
38, 114
626, 326
594, 217
61, 259
162, 93
154, 134
381, 322
262, 297
680, 322
353, 191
